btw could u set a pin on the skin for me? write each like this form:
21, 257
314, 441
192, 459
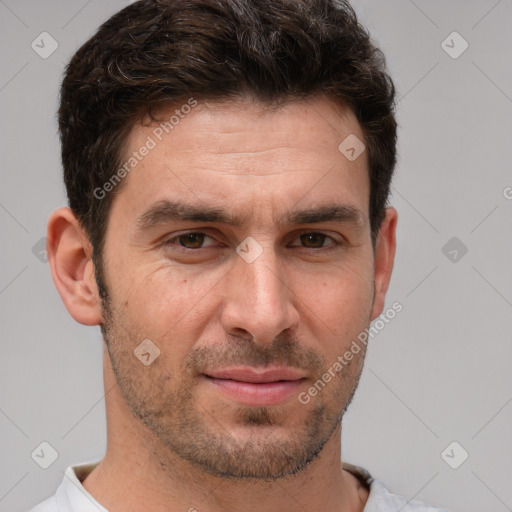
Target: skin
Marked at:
174, 440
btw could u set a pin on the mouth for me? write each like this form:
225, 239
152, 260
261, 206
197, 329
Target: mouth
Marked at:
257, 386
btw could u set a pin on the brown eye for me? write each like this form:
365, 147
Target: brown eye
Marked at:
315, 239
314, 243
191, 240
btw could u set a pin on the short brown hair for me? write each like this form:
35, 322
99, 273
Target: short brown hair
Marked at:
158, 52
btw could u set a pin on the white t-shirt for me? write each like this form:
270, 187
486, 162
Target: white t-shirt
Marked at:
72, 497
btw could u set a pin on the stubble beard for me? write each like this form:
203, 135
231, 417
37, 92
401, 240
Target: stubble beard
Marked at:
267, 451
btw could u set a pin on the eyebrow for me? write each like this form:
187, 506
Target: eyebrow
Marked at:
166, 211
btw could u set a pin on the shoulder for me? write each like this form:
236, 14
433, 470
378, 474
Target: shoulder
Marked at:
70, 495
48, 505
382, 500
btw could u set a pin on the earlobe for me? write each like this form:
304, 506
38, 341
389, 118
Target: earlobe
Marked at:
384, 260
69, 256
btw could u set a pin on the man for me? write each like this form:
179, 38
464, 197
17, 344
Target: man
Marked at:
227, 164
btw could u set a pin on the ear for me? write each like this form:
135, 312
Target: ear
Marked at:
384, 259
69, 255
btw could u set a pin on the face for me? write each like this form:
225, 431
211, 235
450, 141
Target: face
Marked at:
240, 246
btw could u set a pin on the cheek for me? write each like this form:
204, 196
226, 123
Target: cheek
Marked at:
341, 290
338, 306
168, 306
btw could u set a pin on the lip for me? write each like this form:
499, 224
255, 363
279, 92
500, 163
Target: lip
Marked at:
256, 375
257, 386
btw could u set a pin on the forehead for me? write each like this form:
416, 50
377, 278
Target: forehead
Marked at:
245, 152
246, 125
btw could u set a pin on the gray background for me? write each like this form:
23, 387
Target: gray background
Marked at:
438, 373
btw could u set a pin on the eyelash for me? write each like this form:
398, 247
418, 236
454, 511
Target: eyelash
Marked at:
325, 250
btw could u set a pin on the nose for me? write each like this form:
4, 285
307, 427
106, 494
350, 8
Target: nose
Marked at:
259, 302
